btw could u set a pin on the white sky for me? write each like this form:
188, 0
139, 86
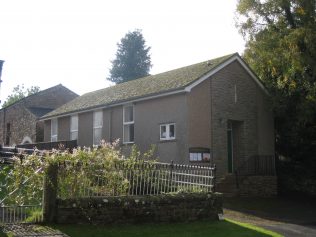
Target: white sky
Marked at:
47, 42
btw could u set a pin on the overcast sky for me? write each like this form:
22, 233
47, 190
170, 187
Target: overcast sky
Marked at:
48, 42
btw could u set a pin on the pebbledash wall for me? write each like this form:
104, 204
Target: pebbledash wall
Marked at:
181, 207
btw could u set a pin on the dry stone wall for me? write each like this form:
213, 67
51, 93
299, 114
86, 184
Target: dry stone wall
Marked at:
140, 209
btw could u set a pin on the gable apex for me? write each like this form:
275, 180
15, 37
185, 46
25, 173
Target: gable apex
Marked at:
234, 57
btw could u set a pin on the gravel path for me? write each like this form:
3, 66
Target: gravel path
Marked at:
31, 230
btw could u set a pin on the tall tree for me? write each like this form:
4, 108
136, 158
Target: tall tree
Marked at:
132, 58
18, 93
281, 36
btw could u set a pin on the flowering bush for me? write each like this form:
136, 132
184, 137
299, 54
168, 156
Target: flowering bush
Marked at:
93, 171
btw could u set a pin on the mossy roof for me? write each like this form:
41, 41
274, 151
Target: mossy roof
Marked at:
139, 88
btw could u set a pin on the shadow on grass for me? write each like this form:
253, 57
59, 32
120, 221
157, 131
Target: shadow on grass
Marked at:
289, 210
197, 229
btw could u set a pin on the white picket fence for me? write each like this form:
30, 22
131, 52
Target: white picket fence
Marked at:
145, 179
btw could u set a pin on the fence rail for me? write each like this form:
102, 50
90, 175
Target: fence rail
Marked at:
50, 145
79, 180
256, 165
21, 214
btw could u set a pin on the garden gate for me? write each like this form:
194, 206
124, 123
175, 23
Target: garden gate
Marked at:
22, 204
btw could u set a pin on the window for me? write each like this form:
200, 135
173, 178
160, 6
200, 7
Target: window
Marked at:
54, 130
97, 127
74, 127
128, 124
199, 154
168, 131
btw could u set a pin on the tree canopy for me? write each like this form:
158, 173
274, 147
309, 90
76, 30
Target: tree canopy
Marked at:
132, 58
281, 36
18, 93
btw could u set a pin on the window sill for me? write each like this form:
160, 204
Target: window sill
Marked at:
167, 140
128, 143
200, 161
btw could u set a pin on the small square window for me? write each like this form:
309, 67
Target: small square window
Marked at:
167, 131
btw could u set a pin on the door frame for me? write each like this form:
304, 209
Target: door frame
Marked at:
230, 147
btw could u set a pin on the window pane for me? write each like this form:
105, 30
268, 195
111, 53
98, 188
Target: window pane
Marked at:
54, 126
131, 132
97, 136
74, 123
128, 114
54, 138
163, 131
74, 135
128, 133
171, 131
97, 119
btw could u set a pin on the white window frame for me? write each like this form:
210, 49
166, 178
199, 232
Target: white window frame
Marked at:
53, 137
95, 127
74, 131
168, 137
128, 124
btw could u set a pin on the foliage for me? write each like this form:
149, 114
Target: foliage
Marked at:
34, 216
18, 93
132, 58
281, 36
92, 168
24, 181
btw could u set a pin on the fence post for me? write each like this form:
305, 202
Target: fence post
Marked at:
171, 171
50, 194
214, 179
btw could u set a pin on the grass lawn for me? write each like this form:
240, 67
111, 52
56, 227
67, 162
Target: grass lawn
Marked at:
225, 228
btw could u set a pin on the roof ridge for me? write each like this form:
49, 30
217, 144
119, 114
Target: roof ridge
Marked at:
158, 74
169, 82
183, 67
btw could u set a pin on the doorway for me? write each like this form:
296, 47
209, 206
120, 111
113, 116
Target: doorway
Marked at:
230, 146
235, 144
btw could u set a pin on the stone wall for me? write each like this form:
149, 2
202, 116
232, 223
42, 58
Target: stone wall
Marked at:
22, 116
21, 121
259, 186
236, 97
160, 208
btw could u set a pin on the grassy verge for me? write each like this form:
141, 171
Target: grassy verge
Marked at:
225, 228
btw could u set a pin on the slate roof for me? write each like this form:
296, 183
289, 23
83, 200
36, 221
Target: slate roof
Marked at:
139, 88
39, 112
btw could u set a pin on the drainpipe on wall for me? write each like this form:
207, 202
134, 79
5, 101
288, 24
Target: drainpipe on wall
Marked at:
211, 123
3, 138
1, 64
110, 126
